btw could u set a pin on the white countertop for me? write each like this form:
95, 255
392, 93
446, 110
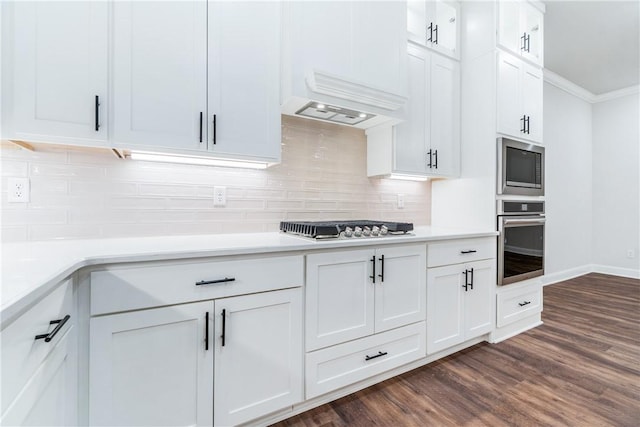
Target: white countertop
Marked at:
31, 270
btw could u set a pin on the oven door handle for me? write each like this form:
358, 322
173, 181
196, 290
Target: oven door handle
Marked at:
523, 221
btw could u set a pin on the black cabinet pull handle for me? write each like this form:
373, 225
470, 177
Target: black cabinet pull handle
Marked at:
206, 331
528, 41
59, 324
471, 251
435, 154
380, 354
224, 326
430, 29
524, 124
381, 275
212, 282
471, 282
373, 262
97, 113
215, 129
466, 280
528, 122
523, 46
522, 304
430, 159
201, 114
435, 30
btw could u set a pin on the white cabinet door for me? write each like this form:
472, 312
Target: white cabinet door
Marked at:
258, 363
521, 30
59, 70
532, 95
49, 397
152, 367
339, 297
510, 116
445, 304
532, 24
434, 24
411, 138
445, 116
244, 79
159, 81
401, 286
479, 298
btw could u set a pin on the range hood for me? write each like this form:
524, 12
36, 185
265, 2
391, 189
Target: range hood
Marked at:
325, 97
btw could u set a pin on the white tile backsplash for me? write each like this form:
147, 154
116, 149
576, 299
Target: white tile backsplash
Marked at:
86, 192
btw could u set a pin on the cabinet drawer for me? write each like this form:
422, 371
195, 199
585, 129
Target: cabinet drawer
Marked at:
21, 352
459, 251
338, 366
143, 286
518, 304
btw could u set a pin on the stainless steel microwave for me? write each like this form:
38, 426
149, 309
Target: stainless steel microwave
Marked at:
520, 168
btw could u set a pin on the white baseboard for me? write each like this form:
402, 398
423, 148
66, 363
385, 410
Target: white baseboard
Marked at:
560, 276
616, 271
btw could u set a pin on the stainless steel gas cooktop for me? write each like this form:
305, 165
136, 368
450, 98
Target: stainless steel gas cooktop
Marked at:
345, 229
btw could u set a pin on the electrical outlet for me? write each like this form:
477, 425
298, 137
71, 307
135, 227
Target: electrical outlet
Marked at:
219, 196
18, 190
631, 253
400, 201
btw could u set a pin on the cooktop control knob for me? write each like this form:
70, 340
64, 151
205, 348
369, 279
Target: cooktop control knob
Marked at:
384, 230
357, 232
366, 232
348, 232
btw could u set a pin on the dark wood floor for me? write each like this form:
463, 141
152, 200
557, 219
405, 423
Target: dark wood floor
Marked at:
581, 368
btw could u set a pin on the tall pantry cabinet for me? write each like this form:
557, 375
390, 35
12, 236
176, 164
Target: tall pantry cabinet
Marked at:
502, 95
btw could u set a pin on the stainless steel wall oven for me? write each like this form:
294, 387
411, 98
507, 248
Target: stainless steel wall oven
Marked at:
521, 240
520, 168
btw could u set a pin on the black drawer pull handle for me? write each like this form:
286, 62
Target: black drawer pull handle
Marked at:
97, 113
373, 261
212, 282
522, 304
60, 323
206, 331
472, 251
380, 354
381, 275
224, 326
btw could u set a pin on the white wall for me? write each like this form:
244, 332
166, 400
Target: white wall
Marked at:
568, 192
87, 193
616, 182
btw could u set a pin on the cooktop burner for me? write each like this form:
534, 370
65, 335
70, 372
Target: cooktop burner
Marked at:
348, 229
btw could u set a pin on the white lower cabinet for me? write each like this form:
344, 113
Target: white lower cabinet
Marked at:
364, 313
258, 363
39, 363
459, 295
156, 366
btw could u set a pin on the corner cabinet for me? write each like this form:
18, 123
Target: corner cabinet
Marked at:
56, 77
428, 143
198, 78
365, 312
215, 342
461, 281
519, 99
40, 363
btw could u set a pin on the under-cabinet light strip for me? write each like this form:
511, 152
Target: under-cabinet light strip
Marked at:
194, 160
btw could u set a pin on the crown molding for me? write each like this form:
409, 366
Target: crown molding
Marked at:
582, 93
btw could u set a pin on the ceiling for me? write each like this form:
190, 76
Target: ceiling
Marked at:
594, 44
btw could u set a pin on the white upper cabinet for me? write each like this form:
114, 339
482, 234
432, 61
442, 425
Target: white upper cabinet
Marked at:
244, 79
350, 54
428, 142
520, 94
435, 24
59, 67
521, 30
159, 76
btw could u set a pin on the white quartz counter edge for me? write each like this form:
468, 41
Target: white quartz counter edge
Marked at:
32, 270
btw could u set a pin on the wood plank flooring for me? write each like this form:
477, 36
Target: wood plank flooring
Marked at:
581, 368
